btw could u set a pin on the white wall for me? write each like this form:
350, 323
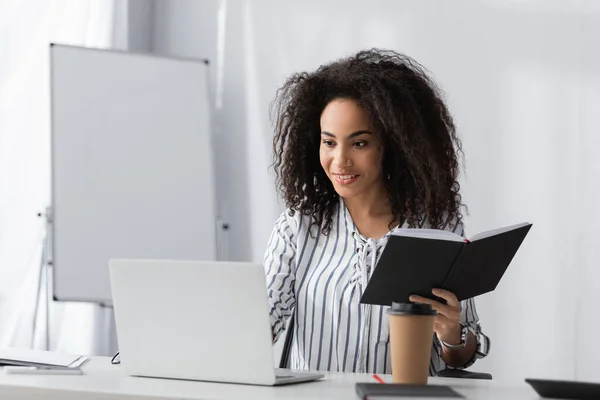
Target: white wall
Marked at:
522, 79
215, 30
191, 28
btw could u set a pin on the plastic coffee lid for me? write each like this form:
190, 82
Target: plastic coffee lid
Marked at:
411, 309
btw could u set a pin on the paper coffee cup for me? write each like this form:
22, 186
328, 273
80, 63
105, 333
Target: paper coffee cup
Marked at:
411, 338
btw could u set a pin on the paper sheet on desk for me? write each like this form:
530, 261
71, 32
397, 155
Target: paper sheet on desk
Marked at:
29, 357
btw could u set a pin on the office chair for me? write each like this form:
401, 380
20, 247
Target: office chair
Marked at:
445, 373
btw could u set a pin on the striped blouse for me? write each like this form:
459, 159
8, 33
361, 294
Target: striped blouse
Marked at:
322, 278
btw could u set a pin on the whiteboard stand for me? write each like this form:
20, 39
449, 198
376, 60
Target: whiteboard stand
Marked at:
44, 296
44, 276
109, 345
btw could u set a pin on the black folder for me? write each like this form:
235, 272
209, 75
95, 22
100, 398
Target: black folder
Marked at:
561, 389
414, 261
368, 391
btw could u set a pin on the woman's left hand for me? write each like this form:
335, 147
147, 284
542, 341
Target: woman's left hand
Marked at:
447, 321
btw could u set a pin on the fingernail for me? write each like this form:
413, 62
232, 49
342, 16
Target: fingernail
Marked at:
436, 291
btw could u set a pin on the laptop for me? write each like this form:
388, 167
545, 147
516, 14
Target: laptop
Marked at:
206, 321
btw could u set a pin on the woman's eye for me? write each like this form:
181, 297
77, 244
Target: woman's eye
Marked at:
360, 144
328, 143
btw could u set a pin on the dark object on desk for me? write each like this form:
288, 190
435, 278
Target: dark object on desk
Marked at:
368, 391
565, 389
284, 361
414, 261
463, 373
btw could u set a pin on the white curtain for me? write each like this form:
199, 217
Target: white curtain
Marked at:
26, 30
523, 81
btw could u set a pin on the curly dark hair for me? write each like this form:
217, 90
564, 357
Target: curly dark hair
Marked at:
421, 149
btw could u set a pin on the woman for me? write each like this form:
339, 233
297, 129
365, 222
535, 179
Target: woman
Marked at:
362, 146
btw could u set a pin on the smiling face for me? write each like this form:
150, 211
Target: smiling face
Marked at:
350, 152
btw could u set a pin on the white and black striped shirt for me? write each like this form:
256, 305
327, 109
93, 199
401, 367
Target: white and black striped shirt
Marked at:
323, 278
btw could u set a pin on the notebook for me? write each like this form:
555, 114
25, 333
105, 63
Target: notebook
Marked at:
39, 358
560, 389
375, 391
414, 261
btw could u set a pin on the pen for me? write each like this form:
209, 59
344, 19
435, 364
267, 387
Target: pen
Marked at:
377, 378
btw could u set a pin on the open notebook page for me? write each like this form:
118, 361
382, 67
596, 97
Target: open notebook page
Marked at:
428, 234
493, 232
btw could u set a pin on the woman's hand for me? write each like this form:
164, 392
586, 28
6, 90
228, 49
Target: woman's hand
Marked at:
447, 321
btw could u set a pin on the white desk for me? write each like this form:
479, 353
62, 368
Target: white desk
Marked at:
104, 381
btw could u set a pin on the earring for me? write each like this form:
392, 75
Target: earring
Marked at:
389, 177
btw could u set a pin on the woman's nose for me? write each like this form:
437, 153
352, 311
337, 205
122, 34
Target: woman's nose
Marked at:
342, 160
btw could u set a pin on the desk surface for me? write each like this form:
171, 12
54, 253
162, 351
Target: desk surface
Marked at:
101, 381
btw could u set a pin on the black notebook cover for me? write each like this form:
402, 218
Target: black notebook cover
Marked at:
557, 389
411, 265
368, 391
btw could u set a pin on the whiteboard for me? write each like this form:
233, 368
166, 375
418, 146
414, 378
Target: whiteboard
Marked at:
132, 167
